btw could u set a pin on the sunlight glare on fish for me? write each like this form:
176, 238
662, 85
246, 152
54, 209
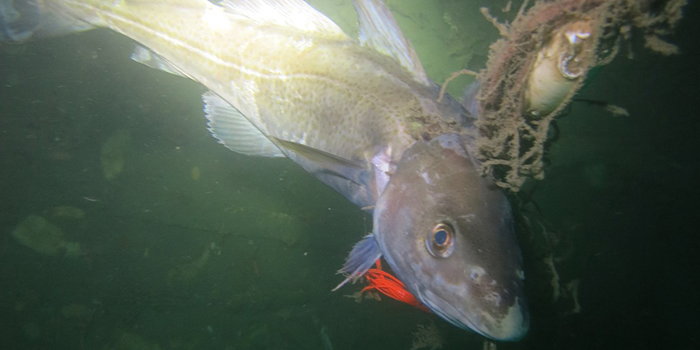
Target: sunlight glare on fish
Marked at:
216, 18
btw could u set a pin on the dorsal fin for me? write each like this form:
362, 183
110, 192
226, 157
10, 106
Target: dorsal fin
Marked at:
191, 3
287, 13
378, 30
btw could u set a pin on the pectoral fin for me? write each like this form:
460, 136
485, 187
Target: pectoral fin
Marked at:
353, 179
361, 259
344, 167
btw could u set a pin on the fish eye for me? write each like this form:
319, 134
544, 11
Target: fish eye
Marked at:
440, 242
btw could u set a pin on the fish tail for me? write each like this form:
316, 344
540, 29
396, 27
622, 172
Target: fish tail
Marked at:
22, 20
19, 19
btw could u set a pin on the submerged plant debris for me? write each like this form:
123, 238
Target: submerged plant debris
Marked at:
541, 63
165, 240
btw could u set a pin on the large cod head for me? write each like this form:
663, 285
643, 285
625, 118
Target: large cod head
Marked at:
448, 234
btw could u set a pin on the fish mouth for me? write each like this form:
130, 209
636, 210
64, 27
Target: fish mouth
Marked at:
511, 327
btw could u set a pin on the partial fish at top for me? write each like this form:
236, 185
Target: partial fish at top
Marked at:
285, 81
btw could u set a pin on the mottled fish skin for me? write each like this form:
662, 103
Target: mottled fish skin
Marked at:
361, 121
482, 268
320, 89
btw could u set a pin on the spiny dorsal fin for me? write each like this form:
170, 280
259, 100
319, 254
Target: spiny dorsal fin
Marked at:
378, 30
188, 5
181, 3
234, 131
287, 13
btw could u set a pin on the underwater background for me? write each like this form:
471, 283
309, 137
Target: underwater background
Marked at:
124, 225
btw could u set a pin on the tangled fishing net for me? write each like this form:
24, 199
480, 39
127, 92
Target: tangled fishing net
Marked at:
567, 37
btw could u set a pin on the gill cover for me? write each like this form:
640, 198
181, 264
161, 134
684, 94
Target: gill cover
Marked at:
448, 234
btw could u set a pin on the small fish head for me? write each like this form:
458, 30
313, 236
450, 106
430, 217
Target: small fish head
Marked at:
447, 232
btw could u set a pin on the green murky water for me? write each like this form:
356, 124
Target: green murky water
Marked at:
178, 243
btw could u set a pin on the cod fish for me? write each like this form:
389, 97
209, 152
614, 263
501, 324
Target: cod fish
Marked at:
360, 115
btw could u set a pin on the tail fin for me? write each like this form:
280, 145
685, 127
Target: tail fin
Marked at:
21, 20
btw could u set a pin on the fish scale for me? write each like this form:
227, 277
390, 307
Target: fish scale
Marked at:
292, 85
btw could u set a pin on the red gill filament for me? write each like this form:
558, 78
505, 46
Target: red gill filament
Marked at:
390, 286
